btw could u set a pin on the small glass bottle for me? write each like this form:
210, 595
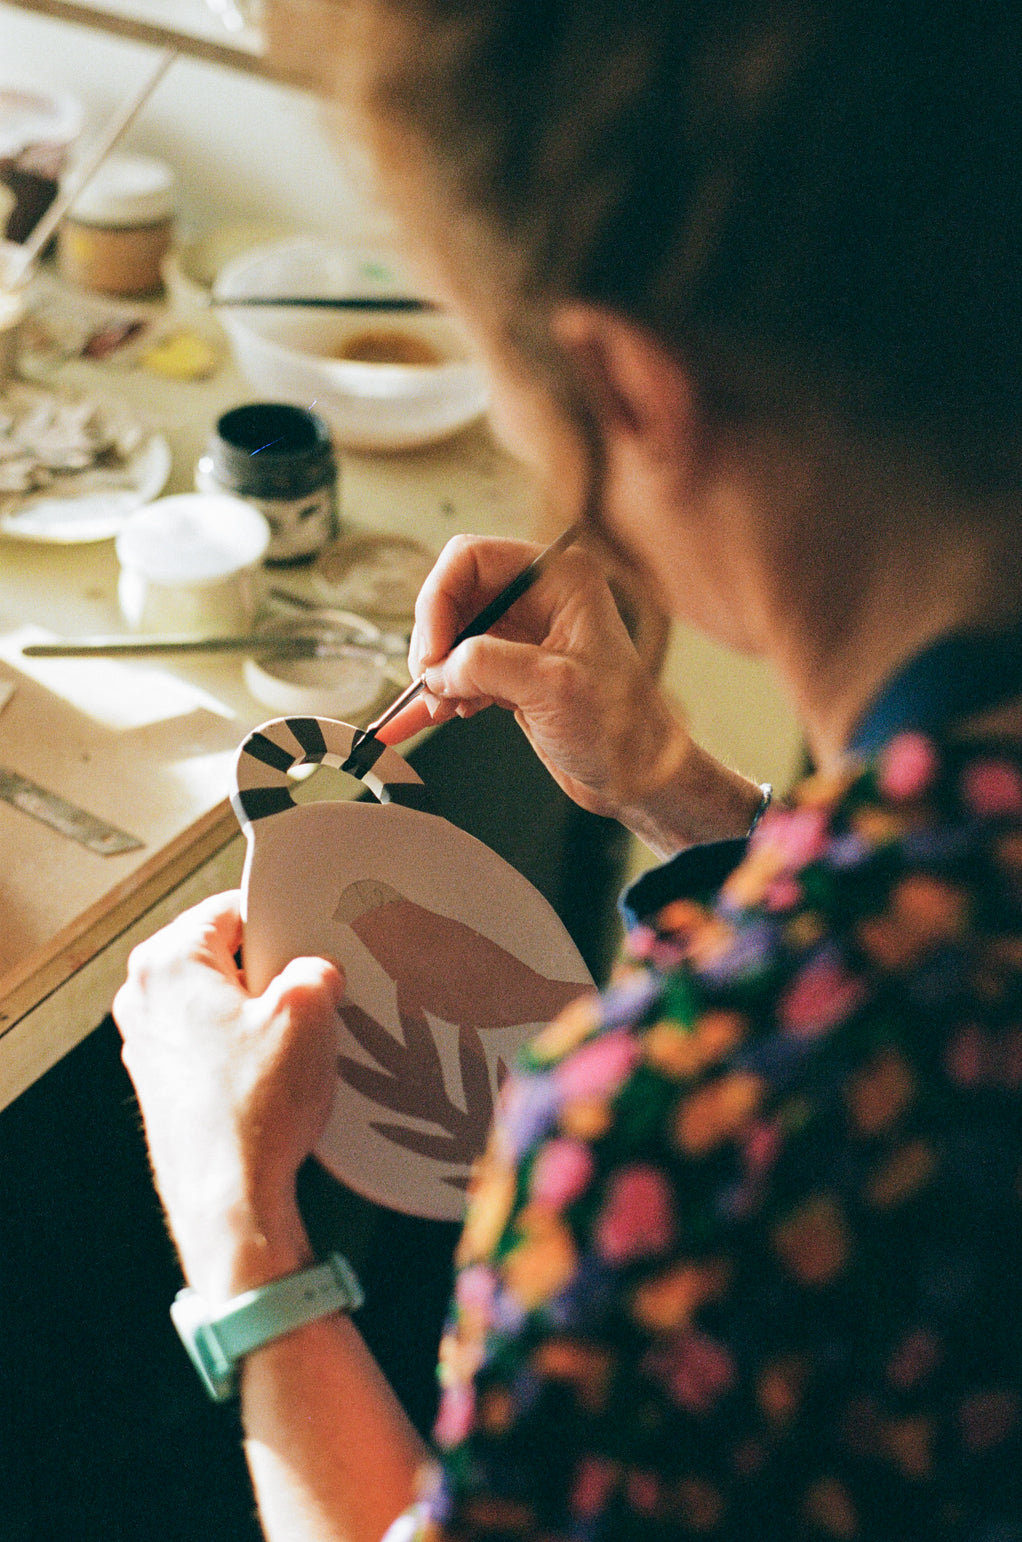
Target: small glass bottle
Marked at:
120, 227
280, 458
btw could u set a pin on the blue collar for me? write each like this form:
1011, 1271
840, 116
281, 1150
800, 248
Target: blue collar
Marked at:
958, 675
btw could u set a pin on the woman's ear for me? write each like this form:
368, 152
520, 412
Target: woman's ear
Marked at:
642, 394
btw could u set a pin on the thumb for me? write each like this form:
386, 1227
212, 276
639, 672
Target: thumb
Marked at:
307, 987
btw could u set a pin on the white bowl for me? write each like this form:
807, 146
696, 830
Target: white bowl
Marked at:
190, 268
291, 354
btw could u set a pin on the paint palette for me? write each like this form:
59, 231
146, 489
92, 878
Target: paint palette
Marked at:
452, 960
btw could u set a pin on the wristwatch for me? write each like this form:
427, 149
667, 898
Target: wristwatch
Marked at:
218, 1341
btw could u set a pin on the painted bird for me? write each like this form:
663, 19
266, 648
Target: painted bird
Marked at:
447, 968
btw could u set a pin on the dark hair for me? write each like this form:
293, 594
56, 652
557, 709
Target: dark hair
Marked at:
817, 197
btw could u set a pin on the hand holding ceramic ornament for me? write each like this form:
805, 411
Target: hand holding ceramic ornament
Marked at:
452, 960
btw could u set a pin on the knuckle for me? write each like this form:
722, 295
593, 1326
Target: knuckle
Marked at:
560, 676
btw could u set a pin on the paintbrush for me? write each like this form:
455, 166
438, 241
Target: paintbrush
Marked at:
365, 747
351, 302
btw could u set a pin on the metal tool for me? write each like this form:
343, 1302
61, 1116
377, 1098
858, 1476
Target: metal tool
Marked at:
282, 644
310, 631
67, 818
366, 748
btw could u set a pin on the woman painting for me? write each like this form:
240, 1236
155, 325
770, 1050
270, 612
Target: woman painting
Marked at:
742, 1259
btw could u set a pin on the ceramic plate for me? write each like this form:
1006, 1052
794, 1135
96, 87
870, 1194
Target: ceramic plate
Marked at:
89, 505
452, 960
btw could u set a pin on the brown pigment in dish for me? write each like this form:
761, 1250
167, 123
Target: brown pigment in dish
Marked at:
388, 347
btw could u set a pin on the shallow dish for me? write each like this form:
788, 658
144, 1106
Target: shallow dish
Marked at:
305, 356
92, 503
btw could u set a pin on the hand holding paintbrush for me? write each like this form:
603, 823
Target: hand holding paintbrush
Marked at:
366, 747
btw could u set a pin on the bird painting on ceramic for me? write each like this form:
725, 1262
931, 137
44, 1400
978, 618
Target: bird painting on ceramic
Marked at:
452, 960
448, 969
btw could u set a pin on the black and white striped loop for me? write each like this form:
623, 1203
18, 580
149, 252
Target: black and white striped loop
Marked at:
272, 751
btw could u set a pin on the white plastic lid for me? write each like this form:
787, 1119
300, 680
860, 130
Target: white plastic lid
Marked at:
193, 538
127, 190
31, 115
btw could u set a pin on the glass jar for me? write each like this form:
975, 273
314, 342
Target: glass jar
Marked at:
280, 458
120, 227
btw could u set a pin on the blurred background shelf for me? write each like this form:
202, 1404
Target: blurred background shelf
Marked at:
192, 27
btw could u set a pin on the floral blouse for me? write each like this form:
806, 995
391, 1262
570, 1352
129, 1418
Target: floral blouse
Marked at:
744, 1257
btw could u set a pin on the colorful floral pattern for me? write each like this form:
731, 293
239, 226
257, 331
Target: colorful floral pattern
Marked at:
743, 1260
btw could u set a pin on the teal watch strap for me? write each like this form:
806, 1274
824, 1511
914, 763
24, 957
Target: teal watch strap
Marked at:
217, 1342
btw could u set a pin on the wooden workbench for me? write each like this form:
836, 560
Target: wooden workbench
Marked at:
150, 747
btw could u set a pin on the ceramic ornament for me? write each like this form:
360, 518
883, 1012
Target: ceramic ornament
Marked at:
452, 960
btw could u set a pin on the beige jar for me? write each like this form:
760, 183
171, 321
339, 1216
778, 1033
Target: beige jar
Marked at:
120, 227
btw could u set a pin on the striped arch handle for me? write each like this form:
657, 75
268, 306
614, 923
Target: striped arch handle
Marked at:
272, 751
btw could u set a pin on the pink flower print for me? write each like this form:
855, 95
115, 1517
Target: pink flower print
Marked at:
981, 1059
907, 766
993, 788
967, 1057
595, 1482
667, 954
784, 893
455, 1416
560, 1173
643, 1491
597, 1069
637, 1219
641, 941
760, 1148
823, 994
798, 835
474, 1289
913, 1360
696, 1370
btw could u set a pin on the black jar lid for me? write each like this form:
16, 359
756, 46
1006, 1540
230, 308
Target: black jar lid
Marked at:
272, 450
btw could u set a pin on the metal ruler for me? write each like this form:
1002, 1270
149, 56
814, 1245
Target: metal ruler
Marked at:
66, 817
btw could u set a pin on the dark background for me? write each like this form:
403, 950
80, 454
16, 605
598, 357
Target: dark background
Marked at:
105, 1432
